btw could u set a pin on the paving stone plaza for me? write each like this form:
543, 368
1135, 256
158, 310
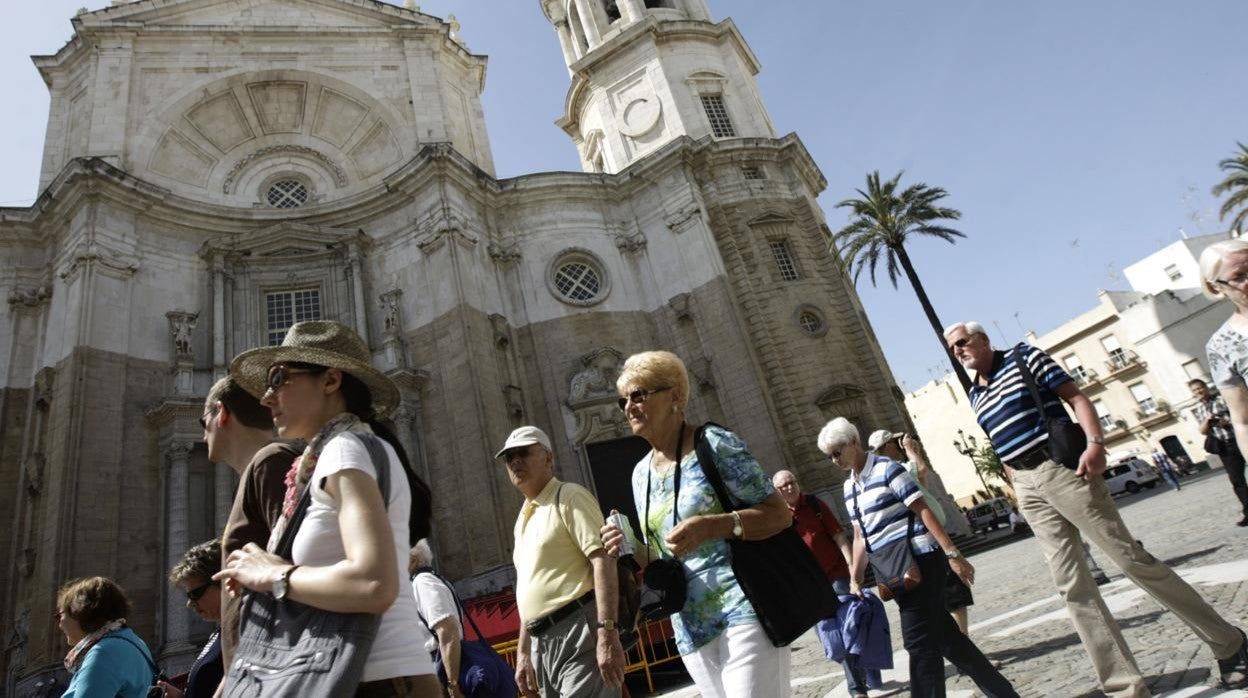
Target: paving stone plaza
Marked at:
1019, 621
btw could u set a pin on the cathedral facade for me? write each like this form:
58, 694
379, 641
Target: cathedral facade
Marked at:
215, 170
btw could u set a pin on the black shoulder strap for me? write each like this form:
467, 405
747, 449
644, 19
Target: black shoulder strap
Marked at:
645, 525
1029, 379
458, 604
853, 488
706, 460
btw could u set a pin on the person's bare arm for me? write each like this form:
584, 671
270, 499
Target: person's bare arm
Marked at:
914, 453
758, 522
449, 637
1092, 462
526, 677
858, 562
842, 542
606, 596
1237, 402
960, 565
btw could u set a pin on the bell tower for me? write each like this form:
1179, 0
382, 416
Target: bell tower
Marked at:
646, 72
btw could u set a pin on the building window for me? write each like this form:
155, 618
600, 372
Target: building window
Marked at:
285, 308
752, 172
1117, 357
810, 322
287, 193
721, 125
1102, 414
1193, 370
1144, 398
784, 260
1075, 368
1172, 271
612, 9
577, 277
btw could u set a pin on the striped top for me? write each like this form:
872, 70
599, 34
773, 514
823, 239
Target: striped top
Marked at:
1004, 408
885, 492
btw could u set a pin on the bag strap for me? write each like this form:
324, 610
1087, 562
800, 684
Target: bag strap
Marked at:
150, 664
680, 447
458, 604
866, 540
1030, 380
706, 461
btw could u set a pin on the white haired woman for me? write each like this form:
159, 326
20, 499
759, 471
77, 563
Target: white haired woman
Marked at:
881, 496
717, 631
1224, 274
349, 551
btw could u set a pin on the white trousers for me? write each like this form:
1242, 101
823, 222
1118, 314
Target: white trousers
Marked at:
740, 663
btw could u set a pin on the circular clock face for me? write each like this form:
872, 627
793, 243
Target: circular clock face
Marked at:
640, 116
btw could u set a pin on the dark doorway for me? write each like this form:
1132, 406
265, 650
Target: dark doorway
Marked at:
1174, 448
612, 465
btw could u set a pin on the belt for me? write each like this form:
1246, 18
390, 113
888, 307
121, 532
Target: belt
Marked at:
548, 621
1031, 459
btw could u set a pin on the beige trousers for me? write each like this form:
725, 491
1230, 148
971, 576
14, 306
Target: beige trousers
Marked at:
1060, 506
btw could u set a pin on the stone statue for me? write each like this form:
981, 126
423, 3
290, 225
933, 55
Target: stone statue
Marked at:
181, 324
602, 367
390, 310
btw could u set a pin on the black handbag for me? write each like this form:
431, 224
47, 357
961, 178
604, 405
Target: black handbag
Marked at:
1214, 445
664, 585
1067, 442
895, 568
286, 648
780, 576
482, 672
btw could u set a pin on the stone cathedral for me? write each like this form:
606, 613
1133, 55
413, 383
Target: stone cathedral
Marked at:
215, 170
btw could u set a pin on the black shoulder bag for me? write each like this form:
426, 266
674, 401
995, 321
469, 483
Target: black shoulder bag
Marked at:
1067, 441
779, 575
664, 585
286, 648
895, 568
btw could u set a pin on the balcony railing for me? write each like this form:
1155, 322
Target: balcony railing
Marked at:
1123, 363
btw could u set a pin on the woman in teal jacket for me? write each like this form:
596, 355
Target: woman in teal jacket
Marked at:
105, 658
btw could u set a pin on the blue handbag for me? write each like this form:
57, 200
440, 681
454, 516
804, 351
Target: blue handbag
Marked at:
482, 672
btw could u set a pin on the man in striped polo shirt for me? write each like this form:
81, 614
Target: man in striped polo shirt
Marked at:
1060, 504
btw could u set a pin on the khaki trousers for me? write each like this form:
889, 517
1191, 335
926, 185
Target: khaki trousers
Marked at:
1060, 506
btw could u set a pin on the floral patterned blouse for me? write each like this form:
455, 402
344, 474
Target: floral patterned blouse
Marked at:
714, 600
1228, 357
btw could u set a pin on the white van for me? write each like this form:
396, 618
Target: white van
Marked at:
1130, 476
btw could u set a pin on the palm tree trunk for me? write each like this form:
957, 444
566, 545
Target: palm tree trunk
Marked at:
928, 310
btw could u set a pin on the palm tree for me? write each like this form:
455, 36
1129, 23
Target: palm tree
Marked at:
1236, 183
881, 222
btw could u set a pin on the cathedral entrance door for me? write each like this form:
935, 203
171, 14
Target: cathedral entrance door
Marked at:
612, 465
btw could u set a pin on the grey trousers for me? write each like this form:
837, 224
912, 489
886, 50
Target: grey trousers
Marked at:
565, 658
1060, 506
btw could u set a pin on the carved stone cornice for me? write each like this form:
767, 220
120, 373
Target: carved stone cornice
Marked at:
629, 238
440, 225
409, 380
504, 255
29, 297
683, 219
115, 263
339, 175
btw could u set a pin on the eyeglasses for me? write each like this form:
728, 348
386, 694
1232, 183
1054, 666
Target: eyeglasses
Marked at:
639, 396
203, 421
198, 592
963, 342
1236, 281
517, 452
280, 375
834, 456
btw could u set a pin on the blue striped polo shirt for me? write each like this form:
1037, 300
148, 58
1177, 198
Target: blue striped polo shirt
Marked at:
885, 492
1005, 409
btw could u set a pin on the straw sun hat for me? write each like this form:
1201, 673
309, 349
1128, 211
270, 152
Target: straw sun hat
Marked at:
323, 343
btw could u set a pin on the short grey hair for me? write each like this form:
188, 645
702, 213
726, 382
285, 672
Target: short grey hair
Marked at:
1211, 264
838, 432
970, 326
421, 555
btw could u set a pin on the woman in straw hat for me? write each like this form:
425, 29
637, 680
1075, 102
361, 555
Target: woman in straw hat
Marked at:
350, 551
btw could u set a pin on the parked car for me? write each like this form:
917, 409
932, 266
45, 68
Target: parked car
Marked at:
1131, 476
990, 514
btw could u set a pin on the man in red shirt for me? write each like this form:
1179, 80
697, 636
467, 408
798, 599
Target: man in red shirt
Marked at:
822, 533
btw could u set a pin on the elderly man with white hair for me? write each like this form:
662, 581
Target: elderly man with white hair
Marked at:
886, 506
439, 611
1061, 502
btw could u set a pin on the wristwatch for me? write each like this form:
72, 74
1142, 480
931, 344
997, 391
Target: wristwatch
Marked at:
1097, 440
608, 624
737, 529
281, 585
954, 554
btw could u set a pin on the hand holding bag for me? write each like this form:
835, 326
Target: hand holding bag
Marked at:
895, 568
779, 575
1067, 441
286, 648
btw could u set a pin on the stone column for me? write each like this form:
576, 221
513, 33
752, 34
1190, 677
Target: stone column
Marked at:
631, 10
355, 272
177, 539
585, 10
566, 43
219, 358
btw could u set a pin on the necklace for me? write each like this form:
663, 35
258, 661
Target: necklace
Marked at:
664, 478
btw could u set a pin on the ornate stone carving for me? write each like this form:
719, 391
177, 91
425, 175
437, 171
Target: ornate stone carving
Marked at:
181, 325
29, 296
597, 379
629, 238
439, 225
339, 175
683, 219
514, 399
502, 330
682, 305
391, 312
504, 255
44, 381
113, 262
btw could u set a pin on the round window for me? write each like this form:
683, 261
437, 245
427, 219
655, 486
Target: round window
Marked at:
287, 193
811, 321
577, 278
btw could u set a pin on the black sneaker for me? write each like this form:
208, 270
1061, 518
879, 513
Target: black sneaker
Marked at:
1234, 669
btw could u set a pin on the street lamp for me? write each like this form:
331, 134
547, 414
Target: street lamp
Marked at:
966, 446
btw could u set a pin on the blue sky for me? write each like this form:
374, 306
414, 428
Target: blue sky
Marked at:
1075, 137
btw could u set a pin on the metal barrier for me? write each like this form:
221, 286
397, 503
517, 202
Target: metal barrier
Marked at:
652, 649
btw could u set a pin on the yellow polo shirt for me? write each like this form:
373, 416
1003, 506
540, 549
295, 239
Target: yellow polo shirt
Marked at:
552, 563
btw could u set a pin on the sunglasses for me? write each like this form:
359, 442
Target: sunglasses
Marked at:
962, 342
280, 375
517, 452
639, 396
203, 421
198, 592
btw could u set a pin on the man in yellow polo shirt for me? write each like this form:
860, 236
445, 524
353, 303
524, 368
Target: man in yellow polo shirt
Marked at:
569, 643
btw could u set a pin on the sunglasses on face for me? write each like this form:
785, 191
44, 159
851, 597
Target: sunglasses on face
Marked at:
963, 342
198, 592
639, 396
280, 375
520, 452
203, 421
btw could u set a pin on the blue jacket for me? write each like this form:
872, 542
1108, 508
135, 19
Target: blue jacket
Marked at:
113, 667
860, 628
